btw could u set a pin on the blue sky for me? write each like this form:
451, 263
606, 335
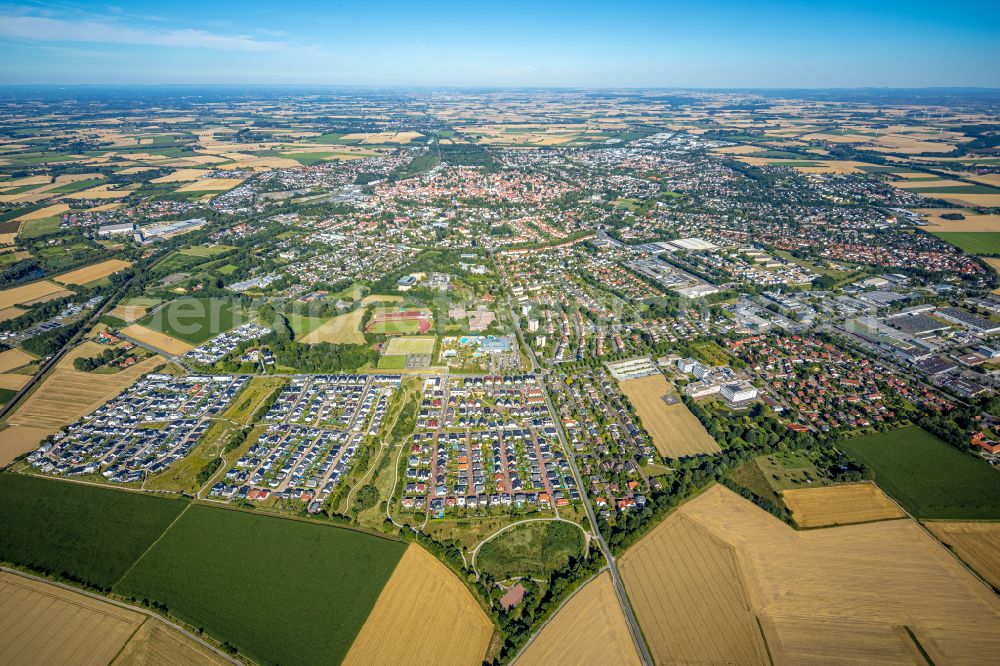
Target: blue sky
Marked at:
585, 44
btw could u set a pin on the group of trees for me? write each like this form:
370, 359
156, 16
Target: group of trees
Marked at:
85, 364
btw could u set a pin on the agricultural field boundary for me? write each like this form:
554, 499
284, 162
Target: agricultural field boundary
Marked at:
120, 604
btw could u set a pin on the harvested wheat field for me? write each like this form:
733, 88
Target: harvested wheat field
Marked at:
688, 594
973, 200
590, 628
156, 339
840, 505
46, 624
841, 643
14, 358
875, 577
13, 382
978, 544
62, 293
129, 313
424, 615
94, 272
157, 644
16, 440
211, 185
972, 221
28, 292
11, 313
67, 394
102, 192
676, 432
342, 329
180, 176
41, 213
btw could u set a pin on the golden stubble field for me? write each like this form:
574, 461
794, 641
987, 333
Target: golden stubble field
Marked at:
47, 624
687, 591
210, 185
156, 644
14, 358
978, 544
30, 292
848, 594
129, 313
424, 615
676, 432
93, 272
840, 505
972, 221
157, 340
18, 439
66, 394
589, 629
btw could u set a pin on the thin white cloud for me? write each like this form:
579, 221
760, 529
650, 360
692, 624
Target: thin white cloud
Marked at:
45, 29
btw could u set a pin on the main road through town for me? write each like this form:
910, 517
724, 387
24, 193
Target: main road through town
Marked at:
630, 619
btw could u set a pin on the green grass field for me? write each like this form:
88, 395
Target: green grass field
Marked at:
281, 591
76, 531
788, 470
302, 324
531, 549
928, 476
308, 159
40, 227
251, 397
392, 362
973, 242
192, 319
423, 344
78, 186
177, 262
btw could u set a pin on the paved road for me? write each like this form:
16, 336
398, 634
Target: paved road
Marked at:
633, 624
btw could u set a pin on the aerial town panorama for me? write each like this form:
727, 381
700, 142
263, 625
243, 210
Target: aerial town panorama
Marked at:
526, 374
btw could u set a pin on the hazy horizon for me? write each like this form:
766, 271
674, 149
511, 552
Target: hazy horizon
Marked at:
786, 45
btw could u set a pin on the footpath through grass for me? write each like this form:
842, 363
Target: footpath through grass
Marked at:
931, 478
